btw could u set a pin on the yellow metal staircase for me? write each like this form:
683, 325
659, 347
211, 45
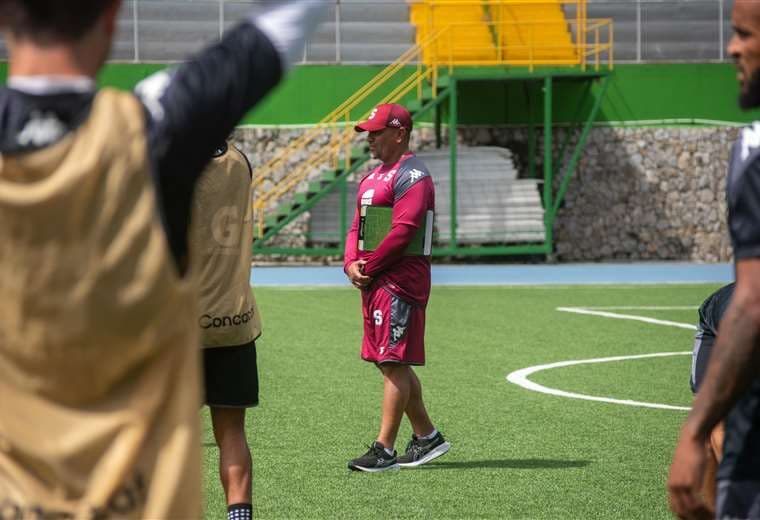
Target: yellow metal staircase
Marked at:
451, 33
507, 32
295, 187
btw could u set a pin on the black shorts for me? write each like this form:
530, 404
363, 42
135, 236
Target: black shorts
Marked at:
739, 499
231, 376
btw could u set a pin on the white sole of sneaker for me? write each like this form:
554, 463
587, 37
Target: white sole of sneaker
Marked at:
437, 452
394, 467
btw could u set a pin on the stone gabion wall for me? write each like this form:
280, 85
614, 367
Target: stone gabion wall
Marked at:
637, 194
649, 194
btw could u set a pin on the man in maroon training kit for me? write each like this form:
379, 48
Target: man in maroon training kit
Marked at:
395, 288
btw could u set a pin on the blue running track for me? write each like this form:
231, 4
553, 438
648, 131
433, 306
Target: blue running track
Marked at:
567, 274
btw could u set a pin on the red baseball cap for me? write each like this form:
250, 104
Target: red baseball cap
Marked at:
389, 115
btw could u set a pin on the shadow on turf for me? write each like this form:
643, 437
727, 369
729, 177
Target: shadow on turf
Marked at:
508, 464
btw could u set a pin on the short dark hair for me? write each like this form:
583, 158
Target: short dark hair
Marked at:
51, 20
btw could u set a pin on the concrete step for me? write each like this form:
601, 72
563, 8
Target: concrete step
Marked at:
493, 205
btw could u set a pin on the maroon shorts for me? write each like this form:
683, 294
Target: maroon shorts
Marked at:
394, 329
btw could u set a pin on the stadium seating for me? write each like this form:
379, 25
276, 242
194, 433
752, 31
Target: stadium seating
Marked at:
494, 206
470, 40
378, 31
525, 40
675, 30
168, 30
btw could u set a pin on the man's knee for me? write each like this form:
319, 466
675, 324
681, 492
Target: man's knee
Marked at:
395, 370
228, 424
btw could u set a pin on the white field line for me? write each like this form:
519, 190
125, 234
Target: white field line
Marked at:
614, 315
643, 308
520, 378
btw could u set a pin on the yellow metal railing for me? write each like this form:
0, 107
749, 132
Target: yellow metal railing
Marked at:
595, 47
507, 20
442, 49
339, 124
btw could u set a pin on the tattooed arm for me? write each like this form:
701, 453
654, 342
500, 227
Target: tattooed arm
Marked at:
734, 363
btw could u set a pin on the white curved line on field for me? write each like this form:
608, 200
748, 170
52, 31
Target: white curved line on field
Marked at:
615, 315
641, 307
520, 378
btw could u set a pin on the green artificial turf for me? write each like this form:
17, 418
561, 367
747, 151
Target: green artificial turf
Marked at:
515, 453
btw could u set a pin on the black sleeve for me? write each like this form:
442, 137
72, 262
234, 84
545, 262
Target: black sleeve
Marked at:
715, 307
194, 107
744, 211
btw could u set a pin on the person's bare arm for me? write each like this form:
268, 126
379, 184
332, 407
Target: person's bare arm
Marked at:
734, 363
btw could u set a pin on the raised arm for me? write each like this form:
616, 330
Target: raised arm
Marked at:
192, 108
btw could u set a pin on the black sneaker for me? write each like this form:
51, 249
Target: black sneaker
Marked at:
420, 451
375, 460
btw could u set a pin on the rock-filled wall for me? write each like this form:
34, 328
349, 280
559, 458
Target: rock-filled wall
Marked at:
637, 194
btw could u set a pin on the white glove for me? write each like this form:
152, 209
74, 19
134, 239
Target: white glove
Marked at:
289, 24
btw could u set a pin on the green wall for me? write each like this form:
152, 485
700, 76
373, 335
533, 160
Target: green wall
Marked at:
636, 93
649, 92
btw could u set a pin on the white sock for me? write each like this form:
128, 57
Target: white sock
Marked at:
389, 451
430, 435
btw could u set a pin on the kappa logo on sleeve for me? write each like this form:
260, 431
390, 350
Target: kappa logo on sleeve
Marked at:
416, 174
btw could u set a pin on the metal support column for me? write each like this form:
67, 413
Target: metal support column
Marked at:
638, 31
531, 131
721, 36
343, 191
437, 123
570, 170
136, 31
548, 174
559, 160
453, 161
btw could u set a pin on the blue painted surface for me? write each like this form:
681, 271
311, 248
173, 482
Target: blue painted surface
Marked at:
568, 274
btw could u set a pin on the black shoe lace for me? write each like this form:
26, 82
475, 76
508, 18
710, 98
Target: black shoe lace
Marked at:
415, 447
377, 451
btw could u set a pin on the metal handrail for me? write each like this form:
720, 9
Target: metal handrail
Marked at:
427, 70
342, 142
264, 172
326, 153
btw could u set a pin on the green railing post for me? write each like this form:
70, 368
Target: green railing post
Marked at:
531, 132
343, 212
453, 161
437, 120
581, 145
548, 174
559, 160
